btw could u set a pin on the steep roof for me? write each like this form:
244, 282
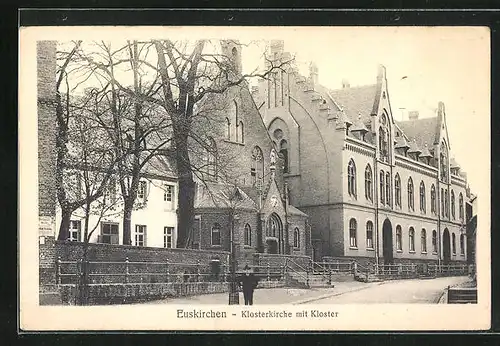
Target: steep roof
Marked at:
294, 211
423, 131
217, 195
356, 101
160, 165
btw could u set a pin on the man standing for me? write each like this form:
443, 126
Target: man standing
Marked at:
248, 281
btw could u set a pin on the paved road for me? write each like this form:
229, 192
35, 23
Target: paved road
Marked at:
401, 291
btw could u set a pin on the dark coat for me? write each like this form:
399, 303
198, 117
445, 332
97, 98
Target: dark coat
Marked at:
248, 282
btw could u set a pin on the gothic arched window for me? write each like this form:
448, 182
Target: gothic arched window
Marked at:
433, 199
397, 188
453, 204
388, 188
284, 152
462, 244
353, 241
411, 201
423, 240
228, 129
434, 242
248, 235
382, 187
422, 197
384, 138
257, 169
240, 135
211, 159
369, 235
453, 244
443, 162
399, 238
296, 238
461, 206
411, 237
351, 178
368, 183
215, 235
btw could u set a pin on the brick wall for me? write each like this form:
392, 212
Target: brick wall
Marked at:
46, 69
73, 251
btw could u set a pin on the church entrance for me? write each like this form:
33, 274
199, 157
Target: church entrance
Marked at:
446, 247
387, 247
274, 235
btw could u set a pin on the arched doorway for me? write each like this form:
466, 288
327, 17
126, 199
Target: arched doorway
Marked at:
446, 246
274, 235
387, 247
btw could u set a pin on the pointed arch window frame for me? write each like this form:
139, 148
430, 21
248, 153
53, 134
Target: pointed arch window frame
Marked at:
351, 178
369, 183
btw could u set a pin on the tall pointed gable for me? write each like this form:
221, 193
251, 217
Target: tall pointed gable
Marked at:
273, 202
442, 128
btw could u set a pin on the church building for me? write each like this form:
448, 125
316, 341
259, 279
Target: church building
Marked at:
240, 191
375, 189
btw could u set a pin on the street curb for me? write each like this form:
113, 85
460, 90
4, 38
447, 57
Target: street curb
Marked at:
328, 295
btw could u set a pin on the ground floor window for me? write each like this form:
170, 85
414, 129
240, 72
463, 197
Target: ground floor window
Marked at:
140, 235
109, 233
453, 243
75, 227
215, 234
369, 235
352, 233
248, 235
412, 239
399, 238
296, 238
168, 237
434, 242
423, 240
462, 245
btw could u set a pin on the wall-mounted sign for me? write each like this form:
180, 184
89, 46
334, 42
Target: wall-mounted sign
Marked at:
47, 226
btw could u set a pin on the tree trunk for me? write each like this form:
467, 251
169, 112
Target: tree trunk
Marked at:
64, 227
127, 223
185, 216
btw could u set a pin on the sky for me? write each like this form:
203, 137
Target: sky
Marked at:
424, 65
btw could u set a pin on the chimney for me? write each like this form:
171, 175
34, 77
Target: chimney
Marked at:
345, 84
413, 115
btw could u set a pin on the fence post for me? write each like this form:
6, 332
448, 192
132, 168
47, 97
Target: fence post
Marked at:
126, 270
338, 266
198, 275
268, 271
58, 270
167, 279
329, 276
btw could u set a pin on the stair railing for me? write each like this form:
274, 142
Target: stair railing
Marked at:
297, 270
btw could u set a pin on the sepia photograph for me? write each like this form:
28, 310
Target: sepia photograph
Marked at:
284, 176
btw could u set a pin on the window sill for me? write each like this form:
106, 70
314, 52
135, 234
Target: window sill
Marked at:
353, 247
399, 251
424, 252
233, 142
370, 249
247, 246
411, 251
296, 248
462, 255
434, 253
216, 246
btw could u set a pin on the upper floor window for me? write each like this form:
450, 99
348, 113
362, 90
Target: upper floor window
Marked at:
296, 238
399, 238
248, 235
384, 138
142, 190
411, 201
369, 235
442, 203
411, 236
215, 235
422, 197
397, 188
257, 169
446, 204
351, 178
353, 241
461, 206
109, 233
423, 240
382, 187
443, 162
453, 204
168, 194
368, 183
388, 188
433, 199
